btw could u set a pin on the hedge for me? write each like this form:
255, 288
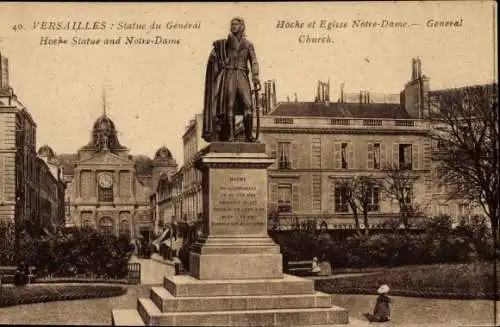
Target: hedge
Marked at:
71, 253
11, 295
83, 281
435, 241
447, 281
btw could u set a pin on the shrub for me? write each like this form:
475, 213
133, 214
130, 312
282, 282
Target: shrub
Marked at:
83, 252
437, 242
7, 243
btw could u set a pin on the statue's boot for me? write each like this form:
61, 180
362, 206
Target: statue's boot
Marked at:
248, 124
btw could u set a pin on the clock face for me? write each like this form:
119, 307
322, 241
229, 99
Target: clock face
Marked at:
105, 180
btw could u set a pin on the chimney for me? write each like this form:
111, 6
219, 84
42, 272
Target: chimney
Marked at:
318, 94
415, 94
267, 92
4, 72
342, 93
273, 97
287, 98
367, 97
413, 69
360, 96
328, 90
295, 97
419, 68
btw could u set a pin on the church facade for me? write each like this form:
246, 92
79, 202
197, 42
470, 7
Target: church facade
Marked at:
109, 189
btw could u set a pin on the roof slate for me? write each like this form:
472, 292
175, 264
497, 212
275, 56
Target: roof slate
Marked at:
341, 110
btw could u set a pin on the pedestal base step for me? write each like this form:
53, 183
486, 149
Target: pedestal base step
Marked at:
187, 286
126, 318
169, 303
151, 315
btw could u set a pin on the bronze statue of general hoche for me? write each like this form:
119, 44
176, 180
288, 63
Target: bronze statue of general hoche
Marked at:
227, 86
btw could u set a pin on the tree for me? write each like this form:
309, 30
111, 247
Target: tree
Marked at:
398, 185
361, 194
346, 188
466, 128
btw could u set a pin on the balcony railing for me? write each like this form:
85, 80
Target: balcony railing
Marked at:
353, 123
284, 208
341, 122
405, 165
283, 120
372, 122
405, 123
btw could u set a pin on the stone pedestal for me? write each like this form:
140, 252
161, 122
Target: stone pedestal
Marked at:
236, 276
234, 242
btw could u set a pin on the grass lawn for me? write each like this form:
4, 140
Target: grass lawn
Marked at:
452, 281
34, 293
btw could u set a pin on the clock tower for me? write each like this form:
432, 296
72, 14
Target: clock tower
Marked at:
105, 190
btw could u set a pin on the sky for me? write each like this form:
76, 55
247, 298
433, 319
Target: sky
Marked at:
152, 91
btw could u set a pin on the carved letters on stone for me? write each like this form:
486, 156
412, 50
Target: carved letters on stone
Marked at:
238, 202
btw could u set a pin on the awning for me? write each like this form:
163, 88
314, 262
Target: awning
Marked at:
163, 236
175, 244
48, 233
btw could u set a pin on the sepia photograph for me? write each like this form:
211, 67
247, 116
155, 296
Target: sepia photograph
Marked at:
249, 164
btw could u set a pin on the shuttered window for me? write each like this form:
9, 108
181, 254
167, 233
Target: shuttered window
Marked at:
343, 155
295, 198
273, 197
284, 198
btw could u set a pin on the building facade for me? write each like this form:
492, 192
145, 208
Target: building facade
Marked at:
31, 189
109, 189
178, 196
318, 145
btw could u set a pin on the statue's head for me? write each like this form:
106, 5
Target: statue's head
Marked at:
237, 25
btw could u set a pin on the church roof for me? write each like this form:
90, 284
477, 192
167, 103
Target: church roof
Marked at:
163, 153
68, 162
104, 131
46, 151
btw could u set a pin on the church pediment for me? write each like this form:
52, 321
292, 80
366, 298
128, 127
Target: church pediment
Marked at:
105, 158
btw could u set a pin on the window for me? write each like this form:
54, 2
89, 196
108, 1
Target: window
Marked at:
373, 199
376, 156
106, 225
462, 209
67, 207
341, 199
407, 195
105, 194
405, 156
284, 198
284, 155
125, 226
443, 209
344, 155
87, 223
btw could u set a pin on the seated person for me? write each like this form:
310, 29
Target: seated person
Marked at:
382, 312
315, 267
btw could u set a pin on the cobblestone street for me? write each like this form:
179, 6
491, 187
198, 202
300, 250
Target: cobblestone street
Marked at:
152, 272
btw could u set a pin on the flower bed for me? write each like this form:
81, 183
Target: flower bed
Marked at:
10, 295
448, 281
58, 280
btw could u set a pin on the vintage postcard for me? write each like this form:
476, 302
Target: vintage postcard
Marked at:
249, 164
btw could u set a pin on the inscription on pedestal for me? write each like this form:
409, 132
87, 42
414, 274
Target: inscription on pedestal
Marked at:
238, 202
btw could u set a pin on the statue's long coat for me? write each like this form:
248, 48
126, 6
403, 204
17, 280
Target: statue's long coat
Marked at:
226, 54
